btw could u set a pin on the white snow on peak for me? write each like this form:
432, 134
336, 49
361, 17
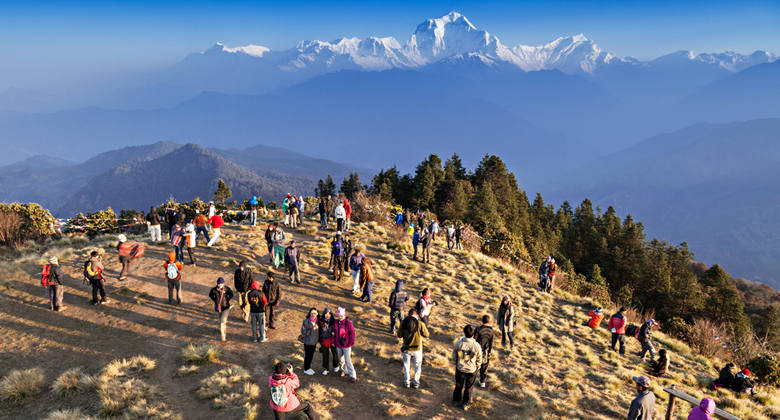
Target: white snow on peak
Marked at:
253, 50
729, 60
449, 35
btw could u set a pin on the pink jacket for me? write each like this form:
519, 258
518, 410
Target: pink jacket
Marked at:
704, 411
290, 382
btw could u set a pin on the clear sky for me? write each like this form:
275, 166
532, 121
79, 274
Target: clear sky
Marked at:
49, 44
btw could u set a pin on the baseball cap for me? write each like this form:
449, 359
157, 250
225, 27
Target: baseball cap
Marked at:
642, 380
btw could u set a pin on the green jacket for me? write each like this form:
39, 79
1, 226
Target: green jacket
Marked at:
412, 341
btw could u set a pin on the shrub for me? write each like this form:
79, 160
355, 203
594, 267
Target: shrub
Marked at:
72, 382
135, 366
21, 222
21, 383
766, 369
200, 355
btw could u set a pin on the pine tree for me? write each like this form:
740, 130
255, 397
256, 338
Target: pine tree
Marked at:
330, 187
768, 327
485, 220
425, 187
724, 303
458, 169
223, 193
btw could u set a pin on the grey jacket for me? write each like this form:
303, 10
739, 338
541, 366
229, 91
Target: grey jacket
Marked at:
506, 318
643, 406
311, 334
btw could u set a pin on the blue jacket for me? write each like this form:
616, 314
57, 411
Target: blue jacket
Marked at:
399, 219
416, 238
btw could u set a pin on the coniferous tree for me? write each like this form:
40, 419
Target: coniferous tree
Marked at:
222, 193
425, 186
768, 327
330, 187
486, 219
724, 303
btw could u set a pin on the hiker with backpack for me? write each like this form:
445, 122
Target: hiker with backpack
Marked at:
412, 332
484, 336
645, 338
427, 243
450, 232
543, 274
355, 264
596, 316
93, 271
506, 321
257, 304
310, 336
367, 281
327, 341
200, 225
398, 298
292, 208
242, 281
283, 384
52, 277
617, 326
221, 296
253, 211
292, 257
551, 275
344, 334
660, 366
703, 411
153, 219
278, 237
425, 306
338, 257
643, 406
434, 228
273, 295
416, 241
190, 240
467, 357
177, 240
173, 276
216, 221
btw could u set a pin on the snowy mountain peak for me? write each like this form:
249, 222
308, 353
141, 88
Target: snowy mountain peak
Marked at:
253, 50
449, 35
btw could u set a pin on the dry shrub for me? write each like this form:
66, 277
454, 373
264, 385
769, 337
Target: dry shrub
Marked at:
222, 382
21, 383
312, 230
143, 409
73, 382
199, 355
69, 415
187, 370
321, 398
138, 365
11, 229
116, 396
704, 331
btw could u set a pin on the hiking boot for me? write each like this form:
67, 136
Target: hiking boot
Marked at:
416, 386
466, 407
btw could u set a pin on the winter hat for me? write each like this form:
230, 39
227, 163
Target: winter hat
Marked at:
220, 281
622, 309
54, 260
289, 195
598, 310
341, 312
171, 256
255, 285
746, 372
121, 238
292, 242
642, 380
549, 258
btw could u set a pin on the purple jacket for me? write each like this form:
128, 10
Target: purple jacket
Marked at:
704, 411
344, 329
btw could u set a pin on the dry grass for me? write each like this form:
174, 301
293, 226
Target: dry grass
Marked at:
116, 396
73, 382
20, 384
187, 370
322, 398
229, 390
69, 415
200, 355
138, 365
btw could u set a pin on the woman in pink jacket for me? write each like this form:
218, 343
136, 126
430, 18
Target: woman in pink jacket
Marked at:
704, 411
283, 397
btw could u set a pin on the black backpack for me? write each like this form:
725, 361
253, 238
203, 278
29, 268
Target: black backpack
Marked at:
633, 330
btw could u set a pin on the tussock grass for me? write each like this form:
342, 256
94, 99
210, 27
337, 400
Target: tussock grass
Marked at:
311, 230
116, 396
20, 384
138, 365
73, 382
222, 382
200, 355
187, 370
322, 398
69, 415
143, 409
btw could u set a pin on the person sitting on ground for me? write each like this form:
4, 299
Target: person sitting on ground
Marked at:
704, 411
283, 384
596, 315
742, 383
725, 378
660, 366
643, 406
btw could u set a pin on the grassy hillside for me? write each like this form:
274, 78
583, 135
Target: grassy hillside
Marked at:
558, 368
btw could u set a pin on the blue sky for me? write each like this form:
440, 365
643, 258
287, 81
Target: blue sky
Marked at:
48, 45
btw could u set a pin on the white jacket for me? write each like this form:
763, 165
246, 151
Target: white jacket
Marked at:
339, 212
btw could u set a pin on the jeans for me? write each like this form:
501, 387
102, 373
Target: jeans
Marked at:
308, 355
179, 253
215, 238
463, 383
293, 273
203, 230
395, 313
258, 325
333, 354
450, 243
155, 232
368, 293
174, 285
415, 251
356, 278
345, 361
222, 317
55, 295
253, 217
244, 305
323, 221
504, 335
191, 253
97, 286
304, 406
410, 357
619, 338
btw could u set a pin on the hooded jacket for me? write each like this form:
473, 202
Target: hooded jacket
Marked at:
645, 332
704, 411
506, 317
412, 332
618, 322
416, 238
726, 376
153, 218
347, 209
55, 274
326, 327
289, 382
97, 265
467, 355
339, 212
398, 297
242, 279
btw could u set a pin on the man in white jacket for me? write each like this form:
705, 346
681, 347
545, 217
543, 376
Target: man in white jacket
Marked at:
340, 215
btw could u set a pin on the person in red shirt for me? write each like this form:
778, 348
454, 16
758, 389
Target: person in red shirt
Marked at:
348, 211
216, 221
617, 325
173, 275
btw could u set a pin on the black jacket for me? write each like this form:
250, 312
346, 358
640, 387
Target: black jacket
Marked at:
645, 333
55, 274
322, 208
726, 377
272, 292
484, 336
268, 233
153, 219
243, 279
214, 295
255, 299
398, 297
181, 218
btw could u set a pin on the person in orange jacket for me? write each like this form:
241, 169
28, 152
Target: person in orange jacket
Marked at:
173, 277
596, 315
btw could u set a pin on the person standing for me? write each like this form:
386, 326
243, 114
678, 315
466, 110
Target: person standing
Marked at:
221, 296
322, 208
329, 209
94, 269
253, 211
412, 332
450, 237
344, 333
125, 251
506, 321
216, 221
327, 342
458, 235
434, 229
427, 243
338, 256
278, 237
467, 357
292, 208
273, 295
56, 285
286, 209
416, 241
292, 257
643, 406
257, 304
200, 225
242, 281
645, 338
425, 306
397, 302
551, 275
484, 336
340, 214
270, 242
212, 209
347, 214
355, 264
155, 232
310, 336
399, 219
177, 240
283, 397
367, 281
543, 271
617, 325
173, 277
190, 239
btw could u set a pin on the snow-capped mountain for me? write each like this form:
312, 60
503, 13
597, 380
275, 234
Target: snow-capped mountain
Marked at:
729, 60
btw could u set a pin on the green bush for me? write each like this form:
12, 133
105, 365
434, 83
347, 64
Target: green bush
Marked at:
21, 222
766, 369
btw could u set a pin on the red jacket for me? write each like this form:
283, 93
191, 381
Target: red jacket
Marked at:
216, 221
618, 322
347, 208
290, 382
595, 319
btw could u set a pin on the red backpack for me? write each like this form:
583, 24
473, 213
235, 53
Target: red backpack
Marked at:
45, 280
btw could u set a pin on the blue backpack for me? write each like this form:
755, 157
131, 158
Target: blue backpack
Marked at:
337, 248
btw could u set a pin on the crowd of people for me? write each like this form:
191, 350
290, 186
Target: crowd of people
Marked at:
335, 333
